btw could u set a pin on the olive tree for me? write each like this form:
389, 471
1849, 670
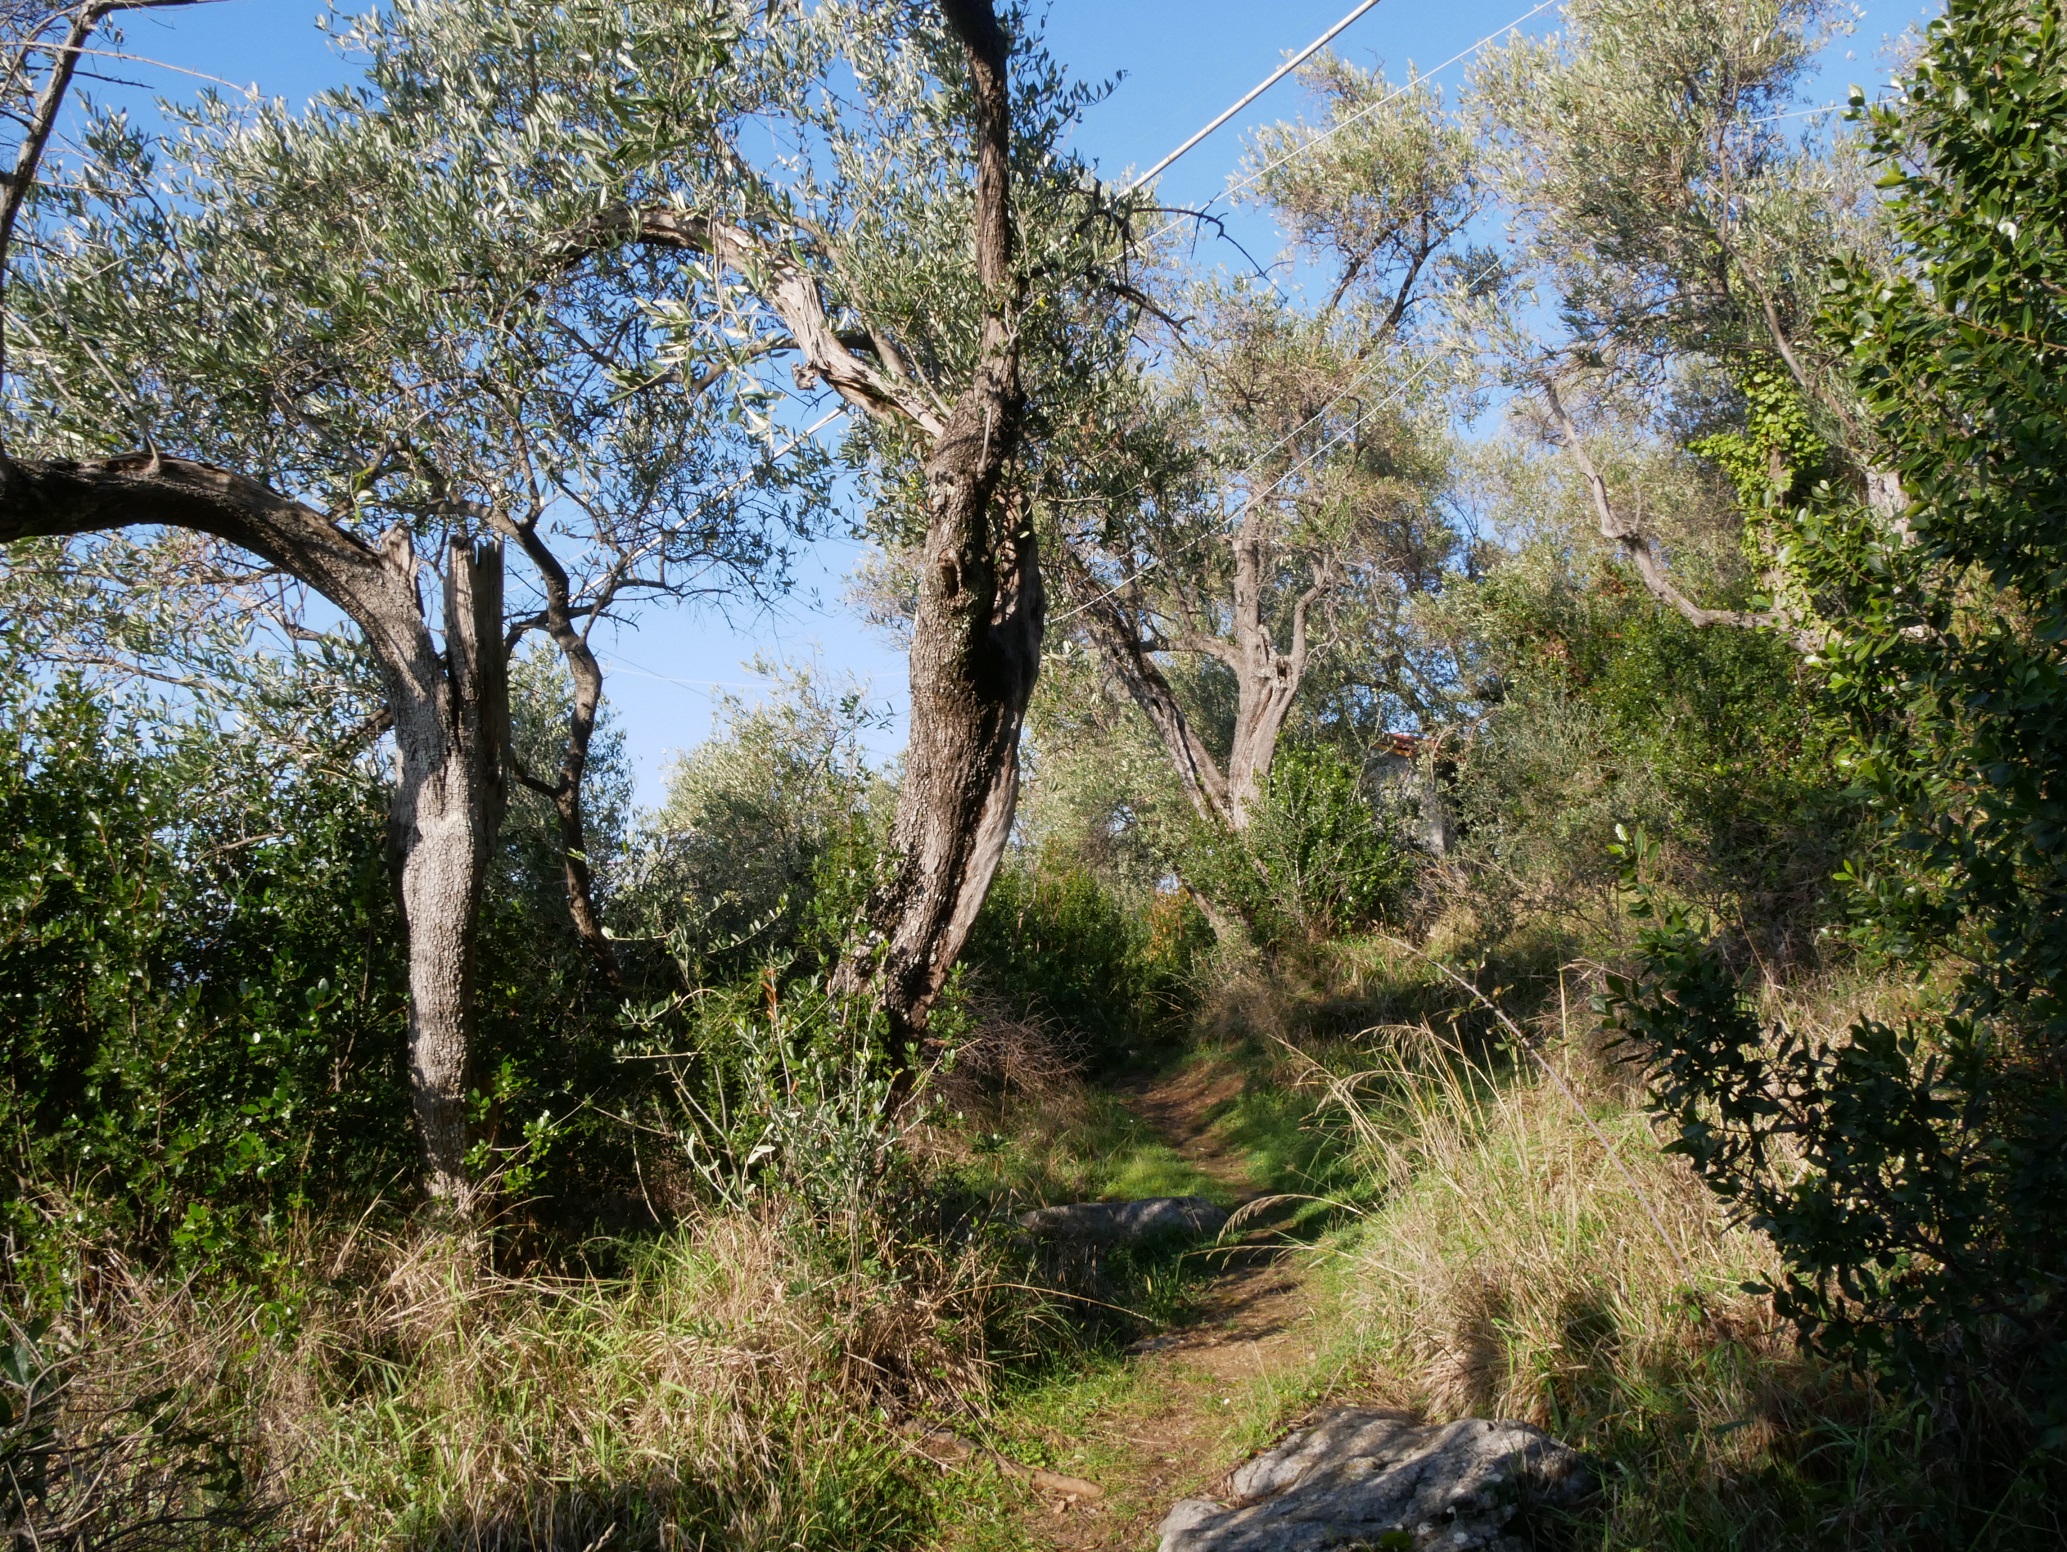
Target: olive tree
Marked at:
1272, 492
1672, 228
336, 341
616, 168
918, 241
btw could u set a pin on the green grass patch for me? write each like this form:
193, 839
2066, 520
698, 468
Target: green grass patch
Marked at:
1079, 1146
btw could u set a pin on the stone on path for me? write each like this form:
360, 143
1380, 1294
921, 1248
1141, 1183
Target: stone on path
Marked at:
1366, 1479
1118, 1223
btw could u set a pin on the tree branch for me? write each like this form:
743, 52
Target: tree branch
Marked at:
566, 790
790, 291
42, 121
1127, 655
1632, 541
59, 498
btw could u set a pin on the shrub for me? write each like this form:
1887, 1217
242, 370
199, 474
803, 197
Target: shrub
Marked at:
1322, 853
1915, 1178
775, 1089
1610, 710
1908, 1176
779, 808
1053, 943
201, 985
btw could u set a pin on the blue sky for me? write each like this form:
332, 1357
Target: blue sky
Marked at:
1180, 62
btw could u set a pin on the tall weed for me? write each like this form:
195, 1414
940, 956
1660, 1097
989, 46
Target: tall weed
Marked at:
1527, 1260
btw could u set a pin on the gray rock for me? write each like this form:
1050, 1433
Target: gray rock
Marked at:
1359, 1478
1124, 1223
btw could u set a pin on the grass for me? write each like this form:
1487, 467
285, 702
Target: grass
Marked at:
737, 1387
1526, 1260
1069, 1143
681, 1402
1500, 1245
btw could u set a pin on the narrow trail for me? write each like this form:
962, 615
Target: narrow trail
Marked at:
1176, 1422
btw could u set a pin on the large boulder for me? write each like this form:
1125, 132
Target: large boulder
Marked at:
1124, 1223
1367, 1479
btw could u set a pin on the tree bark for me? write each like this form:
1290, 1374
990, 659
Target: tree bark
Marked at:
1129, 658
976, 635
449, 712
1268, 680
565, 789
447, 809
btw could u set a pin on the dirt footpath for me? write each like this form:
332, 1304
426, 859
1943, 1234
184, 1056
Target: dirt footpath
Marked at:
1177, 1424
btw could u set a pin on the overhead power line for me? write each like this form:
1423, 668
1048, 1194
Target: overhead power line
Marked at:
1302, 147
1268, 82
1355, 424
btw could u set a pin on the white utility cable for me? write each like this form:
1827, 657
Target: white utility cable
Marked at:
1268, 82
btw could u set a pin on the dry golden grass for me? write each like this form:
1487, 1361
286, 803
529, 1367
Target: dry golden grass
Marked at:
1524, 1249
736, 1387
1533, 1254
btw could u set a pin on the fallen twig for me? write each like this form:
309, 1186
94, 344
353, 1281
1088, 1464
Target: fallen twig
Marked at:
935, 1443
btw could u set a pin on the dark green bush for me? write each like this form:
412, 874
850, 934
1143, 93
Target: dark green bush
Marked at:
201, 982
1323, 853
1610, 710
1915, 1178
1911, 1177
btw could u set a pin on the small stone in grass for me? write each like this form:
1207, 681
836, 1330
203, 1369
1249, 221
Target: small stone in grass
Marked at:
1126, 1223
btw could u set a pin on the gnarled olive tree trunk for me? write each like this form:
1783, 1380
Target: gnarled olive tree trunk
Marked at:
450, 712
976, 634
1267, 677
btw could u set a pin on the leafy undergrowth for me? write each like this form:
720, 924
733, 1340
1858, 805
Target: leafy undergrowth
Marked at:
1482, 1234
1508, 1240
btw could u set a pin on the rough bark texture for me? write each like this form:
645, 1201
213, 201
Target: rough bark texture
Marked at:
448, 807
448, 709
976, 636
1267, 678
